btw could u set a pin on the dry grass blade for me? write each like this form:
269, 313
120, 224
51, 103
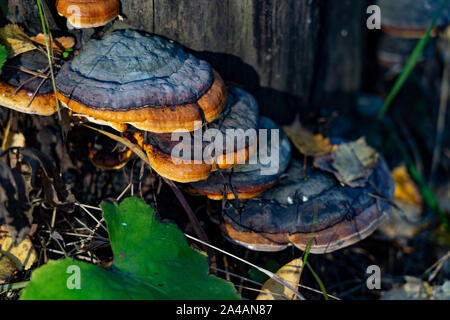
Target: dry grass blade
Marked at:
133, 147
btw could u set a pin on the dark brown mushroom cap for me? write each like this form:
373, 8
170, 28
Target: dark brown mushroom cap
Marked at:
410, 18
11, 78
241, 112
284, 215
135, 77
248, 180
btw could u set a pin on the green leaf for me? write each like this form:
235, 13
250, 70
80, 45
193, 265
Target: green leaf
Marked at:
3, 56
152, 260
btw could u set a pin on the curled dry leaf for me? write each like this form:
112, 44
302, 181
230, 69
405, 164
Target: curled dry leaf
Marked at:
14, 257
306, 142
405, 222
59, 44
15, 40
274, 290
351, 162
405, 188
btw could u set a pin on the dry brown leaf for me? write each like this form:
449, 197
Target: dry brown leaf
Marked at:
354, 160
404, 224
12, 258
405, 188
15, 40
15, 140
306, 142
273, 290
417, 289
59, 44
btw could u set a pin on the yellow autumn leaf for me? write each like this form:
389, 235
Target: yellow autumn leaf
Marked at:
59, 44
306, 142
12, 258
405, 188
15, 40
273, 290
407, 214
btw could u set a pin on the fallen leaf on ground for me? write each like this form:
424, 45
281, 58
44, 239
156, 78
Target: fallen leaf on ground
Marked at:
405, 188
416, 289
405, 222
12, 258
273, 290
354, 160
59, 44
15, 40
306, 142
15, 140
351, 162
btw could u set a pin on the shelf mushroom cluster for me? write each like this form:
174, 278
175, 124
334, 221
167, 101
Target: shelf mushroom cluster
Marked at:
149, 89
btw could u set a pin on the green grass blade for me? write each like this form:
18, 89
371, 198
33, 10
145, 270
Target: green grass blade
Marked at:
409, 66
308, 249
322, 287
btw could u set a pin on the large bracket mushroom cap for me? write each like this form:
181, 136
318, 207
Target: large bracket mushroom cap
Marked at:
249, 180
284, 215
11, 78
241, 113
134, 77
88, 13
411, 18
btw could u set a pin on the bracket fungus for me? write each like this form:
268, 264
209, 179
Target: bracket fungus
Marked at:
193, 158
141, 79
250, 180
88, 13
289, 212
22, 82
411, 18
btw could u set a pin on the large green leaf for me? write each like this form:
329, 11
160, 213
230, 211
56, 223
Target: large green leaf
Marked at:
152, 260
3, 56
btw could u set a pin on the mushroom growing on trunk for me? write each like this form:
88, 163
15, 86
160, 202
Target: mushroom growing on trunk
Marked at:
320, 208
181, 157
22, 82
88, 13
141, 79
250, 180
